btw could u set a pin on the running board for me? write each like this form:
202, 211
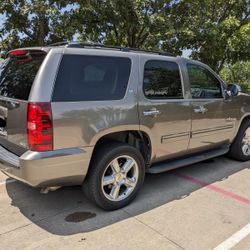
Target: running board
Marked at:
169, 165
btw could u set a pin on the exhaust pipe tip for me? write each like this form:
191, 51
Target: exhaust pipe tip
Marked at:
46, 190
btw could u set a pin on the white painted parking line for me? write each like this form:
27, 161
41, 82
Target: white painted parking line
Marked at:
7, 182
234, 239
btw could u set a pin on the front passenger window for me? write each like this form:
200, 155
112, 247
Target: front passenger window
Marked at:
203, 83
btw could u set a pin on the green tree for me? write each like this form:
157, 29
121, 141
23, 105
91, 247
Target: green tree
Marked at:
216, 31
126, 23
32, 22
237, 73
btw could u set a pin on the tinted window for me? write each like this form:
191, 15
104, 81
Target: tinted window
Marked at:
91, 78
162, 80
203, 84
17, 74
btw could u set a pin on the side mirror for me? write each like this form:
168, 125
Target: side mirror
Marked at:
234, 89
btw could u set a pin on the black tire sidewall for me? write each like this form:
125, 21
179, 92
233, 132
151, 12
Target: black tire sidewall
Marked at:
236, 147
101, 159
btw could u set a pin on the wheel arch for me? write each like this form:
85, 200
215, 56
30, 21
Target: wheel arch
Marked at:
242, 120
139, 139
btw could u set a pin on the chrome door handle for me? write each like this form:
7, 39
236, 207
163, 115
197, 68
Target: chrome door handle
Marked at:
151, 112
200, 109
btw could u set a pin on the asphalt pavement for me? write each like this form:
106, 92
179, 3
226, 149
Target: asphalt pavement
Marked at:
202, 206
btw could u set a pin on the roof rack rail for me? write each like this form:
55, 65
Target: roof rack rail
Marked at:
103, 46
58, 44
150, 51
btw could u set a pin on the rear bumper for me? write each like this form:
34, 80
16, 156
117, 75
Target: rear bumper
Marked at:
53, 168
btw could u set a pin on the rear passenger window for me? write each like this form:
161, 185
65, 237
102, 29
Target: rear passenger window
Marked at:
91, 78
162, 80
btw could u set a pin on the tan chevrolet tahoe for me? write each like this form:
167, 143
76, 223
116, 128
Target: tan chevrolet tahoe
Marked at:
102, 116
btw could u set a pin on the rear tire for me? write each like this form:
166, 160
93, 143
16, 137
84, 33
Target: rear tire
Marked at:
115, 176
240, 148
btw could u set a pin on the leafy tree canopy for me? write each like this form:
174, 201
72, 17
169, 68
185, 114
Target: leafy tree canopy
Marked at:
217, 32
238, 73
32, 22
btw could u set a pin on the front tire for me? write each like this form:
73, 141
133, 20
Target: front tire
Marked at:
240, 148
115, 176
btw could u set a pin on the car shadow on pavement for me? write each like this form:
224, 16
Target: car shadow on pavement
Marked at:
66, 211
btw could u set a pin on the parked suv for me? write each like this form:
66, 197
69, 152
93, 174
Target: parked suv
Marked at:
100, 117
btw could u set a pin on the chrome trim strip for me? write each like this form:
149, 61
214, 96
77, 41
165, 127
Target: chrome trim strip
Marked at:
6, 157
202, 131
173, 137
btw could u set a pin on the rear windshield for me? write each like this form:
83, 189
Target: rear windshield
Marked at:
91, 78
18, 72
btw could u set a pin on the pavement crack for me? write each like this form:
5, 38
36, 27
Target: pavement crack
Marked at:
156, 231
14, 229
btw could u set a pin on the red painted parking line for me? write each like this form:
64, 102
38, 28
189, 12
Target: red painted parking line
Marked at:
215, 188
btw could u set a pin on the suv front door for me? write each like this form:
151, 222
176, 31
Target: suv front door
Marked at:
213, 120
163, 112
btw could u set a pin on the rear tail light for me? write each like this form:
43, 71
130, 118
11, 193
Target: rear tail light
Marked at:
18, 52
21, 55
40, 126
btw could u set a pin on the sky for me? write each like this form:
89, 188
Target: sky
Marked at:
186, 53
1, 20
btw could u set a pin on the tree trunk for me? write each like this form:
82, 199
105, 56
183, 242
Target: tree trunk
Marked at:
43, 30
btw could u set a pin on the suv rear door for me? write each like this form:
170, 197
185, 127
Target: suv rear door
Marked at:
212, 114
95, 94
17, 74
163, 111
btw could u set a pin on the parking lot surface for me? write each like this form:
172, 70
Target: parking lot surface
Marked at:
202, 206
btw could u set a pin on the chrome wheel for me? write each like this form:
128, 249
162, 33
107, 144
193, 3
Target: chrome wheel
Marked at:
120, 178
246, 143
